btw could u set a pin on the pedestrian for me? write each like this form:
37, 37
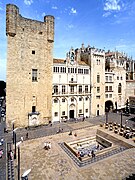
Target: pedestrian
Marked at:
11, 154
93, 154
27, 135
22, 139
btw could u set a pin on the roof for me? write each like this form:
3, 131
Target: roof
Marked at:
62, 61
58, 60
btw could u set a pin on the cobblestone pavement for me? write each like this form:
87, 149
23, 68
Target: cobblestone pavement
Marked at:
50, 131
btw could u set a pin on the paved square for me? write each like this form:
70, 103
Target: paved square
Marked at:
55, 164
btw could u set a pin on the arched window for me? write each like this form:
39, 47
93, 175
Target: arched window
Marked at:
55, 100
55, 89
119, 88
63, 89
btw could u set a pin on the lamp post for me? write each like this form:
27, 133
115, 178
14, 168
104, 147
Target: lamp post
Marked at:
1, 105
121, 120
14, 137
106, 115
13, 126
18, 145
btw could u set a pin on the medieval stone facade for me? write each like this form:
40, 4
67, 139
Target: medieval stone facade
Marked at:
29, 68
41, 89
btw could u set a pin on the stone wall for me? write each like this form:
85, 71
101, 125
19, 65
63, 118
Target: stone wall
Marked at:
30, 45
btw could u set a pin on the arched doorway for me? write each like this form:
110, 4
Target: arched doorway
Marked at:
108, 106
72, 111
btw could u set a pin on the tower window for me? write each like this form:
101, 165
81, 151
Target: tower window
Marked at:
119, 88
33, 52
98, 78
33, 108
34, 75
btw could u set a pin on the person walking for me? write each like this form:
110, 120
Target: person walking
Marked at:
27, 135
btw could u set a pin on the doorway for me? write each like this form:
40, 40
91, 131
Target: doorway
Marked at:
71, 113
97, 112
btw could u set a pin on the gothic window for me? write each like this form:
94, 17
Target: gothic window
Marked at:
72, 99
55, 89
63, 89
106, 96
106, 78
56, 114
110, 88
63, 99
110, 95
80, 89
86, 89
98, 78
98, 89
119, 88
110, 78
55, 100
72, 89
34, 75
106, 88
63, 113
86, 71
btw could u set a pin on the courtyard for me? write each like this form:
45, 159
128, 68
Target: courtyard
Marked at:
56, 164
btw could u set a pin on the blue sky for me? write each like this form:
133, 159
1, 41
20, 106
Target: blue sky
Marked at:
108, 24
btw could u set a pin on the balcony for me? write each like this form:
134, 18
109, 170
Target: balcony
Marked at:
33, 113
72, 83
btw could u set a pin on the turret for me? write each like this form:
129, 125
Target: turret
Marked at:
12, 13
49, 20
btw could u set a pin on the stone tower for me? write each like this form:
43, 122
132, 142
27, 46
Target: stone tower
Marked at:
96, 59
29, 69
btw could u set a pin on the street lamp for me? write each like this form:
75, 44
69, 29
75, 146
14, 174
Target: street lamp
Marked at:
1, 104
121, 120
18, 145
14, 137
13, 129
106, 115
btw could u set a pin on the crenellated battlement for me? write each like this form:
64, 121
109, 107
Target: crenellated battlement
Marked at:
49, 20
15, 23
12, 13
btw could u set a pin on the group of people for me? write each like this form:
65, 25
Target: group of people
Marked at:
47, 145
1, 153
60, 130
1, 150
10, 154
70, 133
